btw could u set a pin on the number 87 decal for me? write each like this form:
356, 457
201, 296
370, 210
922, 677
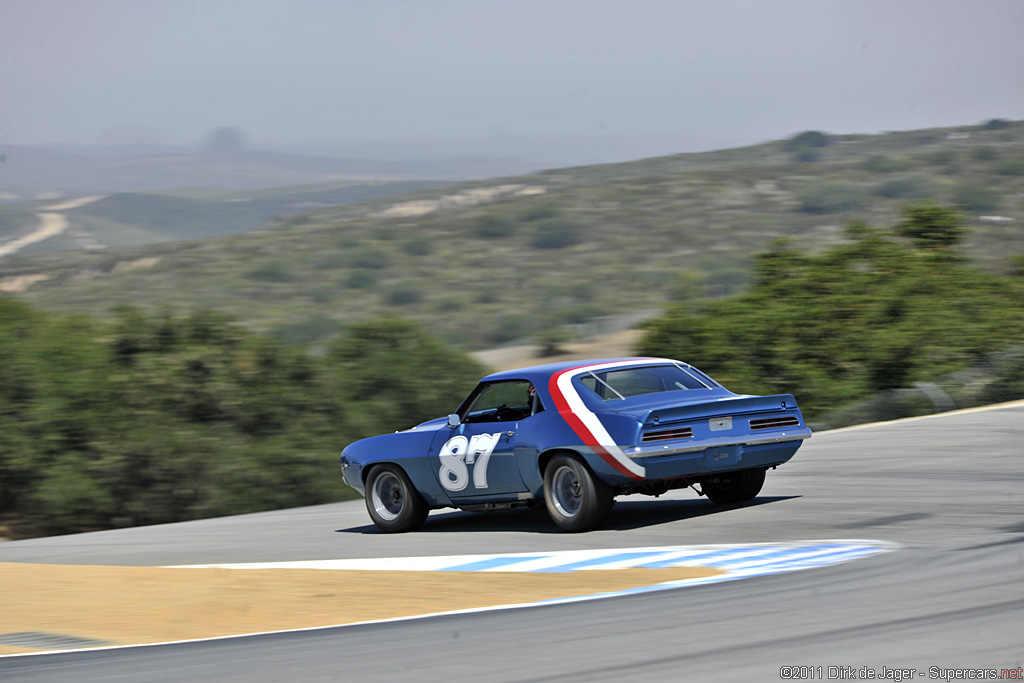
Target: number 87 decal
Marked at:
458, 453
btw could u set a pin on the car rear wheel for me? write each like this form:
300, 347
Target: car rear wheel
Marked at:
575, 498
733, 487
392, 501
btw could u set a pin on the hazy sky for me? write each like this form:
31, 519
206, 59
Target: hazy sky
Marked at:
639, 76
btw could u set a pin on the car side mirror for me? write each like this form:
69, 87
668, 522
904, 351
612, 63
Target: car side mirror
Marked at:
453, 420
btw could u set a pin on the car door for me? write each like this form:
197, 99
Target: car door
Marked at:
476, 458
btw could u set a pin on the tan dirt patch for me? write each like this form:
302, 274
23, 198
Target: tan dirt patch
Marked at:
134, 605
19, 283
50, 224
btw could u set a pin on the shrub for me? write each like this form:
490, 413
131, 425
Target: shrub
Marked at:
807, 139
270, 271
985, 153
907, 187
450, 304
328, 260
1012, 166
830, 197
995, 124
932, 226
361, 279
405, 293
878, 163
804, 147
418, 246
511, 327
305, 332
539, 212
367, 257
488, 295
556, 233
579, 313
551, 342
1017, 265
975, 198
942, 157
806, 156
323, 294
492, 226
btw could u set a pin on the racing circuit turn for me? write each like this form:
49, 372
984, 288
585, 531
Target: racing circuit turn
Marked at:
946, 489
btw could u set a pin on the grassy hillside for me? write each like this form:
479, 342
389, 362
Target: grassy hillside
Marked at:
489, 262
134, 218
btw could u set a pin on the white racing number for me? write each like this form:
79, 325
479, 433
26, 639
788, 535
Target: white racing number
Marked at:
458, 453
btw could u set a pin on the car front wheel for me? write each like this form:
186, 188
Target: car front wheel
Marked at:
392, 501
575, 498
733, 487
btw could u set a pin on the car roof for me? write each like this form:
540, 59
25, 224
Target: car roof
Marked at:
537, 373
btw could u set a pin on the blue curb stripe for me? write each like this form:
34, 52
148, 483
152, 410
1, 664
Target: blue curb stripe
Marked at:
493, 563
736, 561
594, 562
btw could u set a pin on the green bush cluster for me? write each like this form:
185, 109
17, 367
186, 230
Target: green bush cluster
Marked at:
874, 314
905, 187
830, 197
975, 198
556, 233
805, 146
879, 163
151, 419
1012, 167
271, 271
493, 226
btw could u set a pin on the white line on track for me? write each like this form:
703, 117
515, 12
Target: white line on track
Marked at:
767, 557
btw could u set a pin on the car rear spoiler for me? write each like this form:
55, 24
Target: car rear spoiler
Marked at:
725, 407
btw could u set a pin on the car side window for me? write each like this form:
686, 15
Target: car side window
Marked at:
501, 402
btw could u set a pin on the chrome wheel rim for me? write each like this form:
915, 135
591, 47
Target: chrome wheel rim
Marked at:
388, 496
566, 491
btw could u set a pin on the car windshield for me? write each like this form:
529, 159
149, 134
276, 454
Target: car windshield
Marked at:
620, 384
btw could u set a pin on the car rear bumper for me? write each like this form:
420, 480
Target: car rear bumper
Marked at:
642, 453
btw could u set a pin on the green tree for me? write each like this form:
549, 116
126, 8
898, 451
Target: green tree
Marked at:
808, 139
932, 226
872, 314
806, 146
995, 124
393, 375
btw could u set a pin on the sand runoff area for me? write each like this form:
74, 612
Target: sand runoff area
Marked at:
52, 607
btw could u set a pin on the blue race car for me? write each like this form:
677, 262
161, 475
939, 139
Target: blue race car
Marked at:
575, 435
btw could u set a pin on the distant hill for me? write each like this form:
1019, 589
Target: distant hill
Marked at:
30, 173
490, 262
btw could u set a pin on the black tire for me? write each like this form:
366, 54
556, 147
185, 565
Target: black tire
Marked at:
575, 498
394, 505
733, 487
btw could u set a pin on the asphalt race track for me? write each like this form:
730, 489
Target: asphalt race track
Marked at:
948, 489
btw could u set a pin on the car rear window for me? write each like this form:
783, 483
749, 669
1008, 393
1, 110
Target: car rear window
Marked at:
619, 384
